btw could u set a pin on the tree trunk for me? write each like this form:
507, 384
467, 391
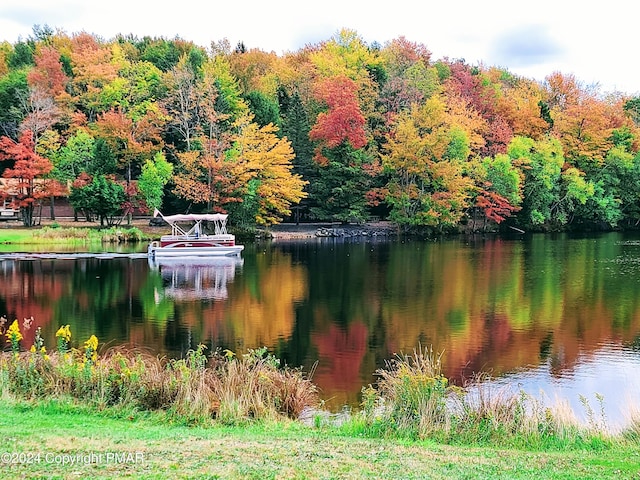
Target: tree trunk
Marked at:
27, 215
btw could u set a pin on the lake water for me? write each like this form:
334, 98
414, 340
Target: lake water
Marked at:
558, 316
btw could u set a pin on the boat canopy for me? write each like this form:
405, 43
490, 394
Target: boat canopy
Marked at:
196, 217
219, 220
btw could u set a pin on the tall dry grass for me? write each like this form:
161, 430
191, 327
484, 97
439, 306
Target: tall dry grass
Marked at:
486, 410
197, 388
632, 431
415, 391
412, 397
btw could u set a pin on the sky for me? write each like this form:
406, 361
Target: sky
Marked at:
594, 41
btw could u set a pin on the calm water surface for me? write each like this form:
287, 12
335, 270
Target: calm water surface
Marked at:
557, 316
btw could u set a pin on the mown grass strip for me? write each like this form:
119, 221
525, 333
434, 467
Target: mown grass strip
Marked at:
283, 449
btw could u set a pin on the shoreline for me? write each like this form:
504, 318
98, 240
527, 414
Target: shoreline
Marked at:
292, 231
282, 231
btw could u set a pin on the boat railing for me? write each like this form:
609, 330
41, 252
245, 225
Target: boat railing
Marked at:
196, 236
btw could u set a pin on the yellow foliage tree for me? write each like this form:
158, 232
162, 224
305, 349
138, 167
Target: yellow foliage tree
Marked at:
424, 160
259, 155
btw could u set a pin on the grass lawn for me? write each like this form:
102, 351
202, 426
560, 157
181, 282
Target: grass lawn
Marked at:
147, 446
17, 235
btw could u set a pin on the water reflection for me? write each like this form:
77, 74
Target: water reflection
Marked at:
603, 384
547, 312
195, 278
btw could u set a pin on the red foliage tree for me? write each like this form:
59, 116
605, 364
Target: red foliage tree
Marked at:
494, 206
27, 167
498, 137
343, 122
467, 84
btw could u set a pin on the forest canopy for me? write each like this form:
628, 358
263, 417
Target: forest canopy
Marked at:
340, 130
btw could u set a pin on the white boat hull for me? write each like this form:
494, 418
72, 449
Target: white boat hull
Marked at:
175, 252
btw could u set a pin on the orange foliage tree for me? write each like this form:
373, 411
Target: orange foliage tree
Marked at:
48, 73
92, 71
131, 140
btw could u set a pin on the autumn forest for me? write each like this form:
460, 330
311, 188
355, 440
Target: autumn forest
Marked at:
340, 131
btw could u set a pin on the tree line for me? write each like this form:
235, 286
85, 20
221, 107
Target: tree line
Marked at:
340, 130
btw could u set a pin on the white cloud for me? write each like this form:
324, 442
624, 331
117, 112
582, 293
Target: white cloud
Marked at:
591, 42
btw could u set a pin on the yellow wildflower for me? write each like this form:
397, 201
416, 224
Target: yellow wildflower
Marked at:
43, 350
64, 332
228, 353
13, 333
33, 349
91, 347
92, 343
47, 357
